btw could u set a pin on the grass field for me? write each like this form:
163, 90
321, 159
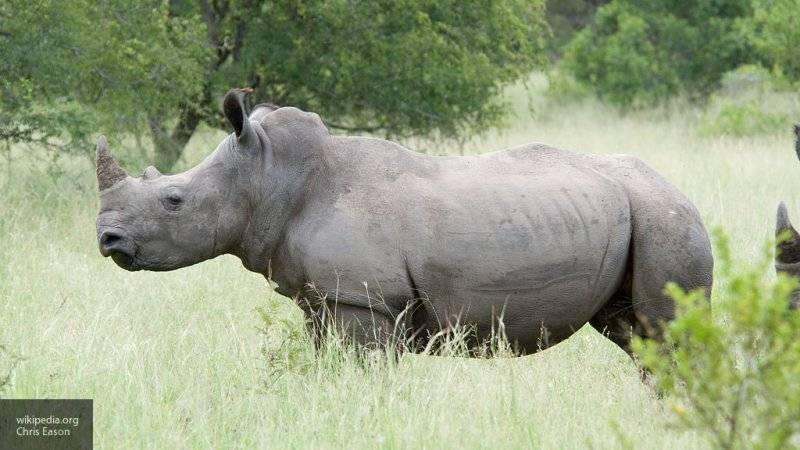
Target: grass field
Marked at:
175, 360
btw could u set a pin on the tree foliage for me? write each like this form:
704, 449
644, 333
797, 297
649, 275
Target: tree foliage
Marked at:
731, 370
640, 52
774, 28
568, 17
73, 67
392, 67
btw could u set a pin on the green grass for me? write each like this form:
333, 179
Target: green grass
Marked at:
174, 360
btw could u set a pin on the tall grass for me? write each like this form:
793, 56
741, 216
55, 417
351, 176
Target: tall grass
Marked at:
184, 360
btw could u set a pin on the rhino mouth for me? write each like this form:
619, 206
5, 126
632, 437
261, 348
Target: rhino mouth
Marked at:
125, 261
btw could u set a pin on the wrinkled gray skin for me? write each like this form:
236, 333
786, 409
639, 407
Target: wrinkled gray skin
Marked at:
787, 256
395, 242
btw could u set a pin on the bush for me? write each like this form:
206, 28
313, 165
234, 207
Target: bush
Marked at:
728, 117
641, 52
731, 371
751, 101
774, 29
567, 17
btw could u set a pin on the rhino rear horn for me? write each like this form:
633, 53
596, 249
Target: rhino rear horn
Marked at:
150, 173
109, 172
235, 108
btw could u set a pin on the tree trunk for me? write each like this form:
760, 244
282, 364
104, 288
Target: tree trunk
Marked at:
169, 146
167, 152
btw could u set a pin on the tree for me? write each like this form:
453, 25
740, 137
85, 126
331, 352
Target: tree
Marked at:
775, 31
640, 52
567, 17
391, 67
72, 67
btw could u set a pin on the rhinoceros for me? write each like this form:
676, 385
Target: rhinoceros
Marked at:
377, 236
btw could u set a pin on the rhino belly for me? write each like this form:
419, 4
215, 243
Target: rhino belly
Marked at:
545, 263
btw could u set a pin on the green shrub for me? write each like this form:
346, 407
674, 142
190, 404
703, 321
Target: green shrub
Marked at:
728, 117
564, 87
751, 100
641, 52
774, 29
567, 17
731, 371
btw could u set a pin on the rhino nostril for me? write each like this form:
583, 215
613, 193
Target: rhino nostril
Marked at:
109, 238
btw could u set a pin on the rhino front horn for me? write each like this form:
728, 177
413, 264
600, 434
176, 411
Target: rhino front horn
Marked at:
109, 172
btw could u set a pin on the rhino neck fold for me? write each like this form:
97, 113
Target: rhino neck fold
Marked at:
261, 239
280, 200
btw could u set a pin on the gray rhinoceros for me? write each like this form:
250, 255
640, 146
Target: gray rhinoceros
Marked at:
385, 239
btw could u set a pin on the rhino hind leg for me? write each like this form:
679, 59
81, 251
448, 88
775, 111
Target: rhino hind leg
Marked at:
616, 320
668, 244
640, 307
675, 250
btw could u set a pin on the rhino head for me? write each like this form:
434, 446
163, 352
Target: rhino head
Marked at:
165, 222
787, 258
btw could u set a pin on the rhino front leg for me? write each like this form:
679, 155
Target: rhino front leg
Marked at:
365, 328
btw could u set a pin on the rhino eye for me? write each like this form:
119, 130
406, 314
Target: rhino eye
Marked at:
172, 202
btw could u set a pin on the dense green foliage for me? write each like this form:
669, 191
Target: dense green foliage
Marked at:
641, 52
567, 17
72, 69
398, 68
732, 372
751, 100
775, 30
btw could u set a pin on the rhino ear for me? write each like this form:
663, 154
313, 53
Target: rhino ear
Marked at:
235, 109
